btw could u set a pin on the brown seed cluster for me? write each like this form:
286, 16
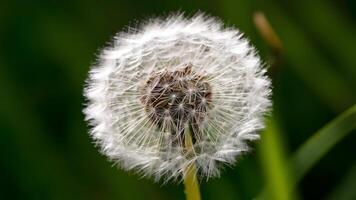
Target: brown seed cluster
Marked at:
174, 98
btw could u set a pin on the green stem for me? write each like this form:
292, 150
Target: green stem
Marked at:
191, 183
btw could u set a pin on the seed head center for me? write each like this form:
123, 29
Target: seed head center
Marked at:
179, 96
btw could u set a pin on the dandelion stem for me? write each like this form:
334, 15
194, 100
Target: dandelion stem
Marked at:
191, 183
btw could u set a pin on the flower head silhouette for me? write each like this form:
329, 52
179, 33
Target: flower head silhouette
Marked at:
170, 75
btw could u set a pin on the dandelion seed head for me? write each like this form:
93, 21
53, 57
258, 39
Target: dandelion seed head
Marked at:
169, 74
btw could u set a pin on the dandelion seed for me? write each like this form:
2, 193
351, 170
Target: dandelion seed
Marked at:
149, 85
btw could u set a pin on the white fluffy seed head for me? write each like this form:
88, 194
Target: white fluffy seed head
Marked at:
172, 74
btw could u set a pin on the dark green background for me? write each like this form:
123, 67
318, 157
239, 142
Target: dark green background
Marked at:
46, 48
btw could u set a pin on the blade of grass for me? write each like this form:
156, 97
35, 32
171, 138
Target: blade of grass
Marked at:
273, 159
313, 149
322, 141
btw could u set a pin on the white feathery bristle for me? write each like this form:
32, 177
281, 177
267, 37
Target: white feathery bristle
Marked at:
149, 85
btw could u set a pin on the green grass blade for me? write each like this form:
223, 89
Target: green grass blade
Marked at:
322, 141
274, 163
308, 154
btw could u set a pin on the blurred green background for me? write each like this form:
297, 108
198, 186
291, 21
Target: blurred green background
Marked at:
47, 47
